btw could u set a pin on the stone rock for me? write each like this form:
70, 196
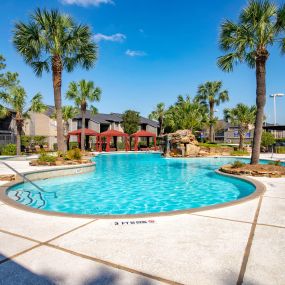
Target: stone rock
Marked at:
59, 162
183, 137
192, 150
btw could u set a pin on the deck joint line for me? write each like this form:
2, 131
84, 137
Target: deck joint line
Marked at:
218, 218
20, 253
249, 244
72, 230
19, 236
275, 197
113, 265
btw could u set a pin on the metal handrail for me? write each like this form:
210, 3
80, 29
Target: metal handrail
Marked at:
25, 178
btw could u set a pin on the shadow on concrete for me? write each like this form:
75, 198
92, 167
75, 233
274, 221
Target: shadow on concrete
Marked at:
12, 273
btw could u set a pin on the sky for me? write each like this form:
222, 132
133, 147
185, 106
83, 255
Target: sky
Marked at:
149, 51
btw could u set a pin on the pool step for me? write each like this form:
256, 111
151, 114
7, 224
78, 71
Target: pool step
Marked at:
28, 198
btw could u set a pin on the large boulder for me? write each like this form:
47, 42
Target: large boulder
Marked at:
183, 143
183, 137
192, 150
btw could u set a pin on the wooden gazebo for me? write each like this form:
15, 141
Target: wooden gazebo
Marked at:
88, 133
112, 134
145, 134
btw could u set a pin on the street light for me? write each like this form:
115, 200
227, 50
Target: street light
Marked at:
274, 98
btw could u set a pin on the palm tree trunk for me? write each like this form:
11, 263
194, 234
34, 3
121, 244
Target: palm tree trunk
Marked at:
260, 103
57, 76
83, 129
66, 127
211, 135
18, 138
241, 139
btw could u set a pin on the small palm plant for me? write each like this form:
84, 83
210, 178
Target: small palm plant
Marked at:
210, 94
54, 42
68, 113
15, 98
82, 93
260, 25
241, 116
186, 114
159, 114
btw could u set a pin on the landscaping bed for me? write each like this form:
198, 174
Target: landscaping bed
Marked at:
7, 177
71, 157
266, 170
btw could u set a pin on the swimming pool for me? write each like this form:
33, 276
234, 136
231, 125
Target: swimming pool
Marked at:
135, 184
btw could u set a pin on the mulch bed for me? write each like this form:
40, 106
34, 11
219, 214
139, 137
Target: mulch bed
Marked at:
266, 170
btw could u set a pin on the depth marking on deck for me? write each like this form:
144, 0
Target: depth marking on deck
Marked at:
139, 222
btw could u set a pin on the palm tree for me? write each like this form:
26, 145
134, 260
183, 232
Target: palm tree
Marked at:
51, 41
68, 112
260, 25
210, 94
81, 93
186, 114
242, 116
158, 114
15, 99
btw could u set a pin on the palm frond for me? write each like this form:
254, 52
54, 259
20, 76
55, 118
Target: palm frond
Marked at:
37, 104
50, 33
4, 112
93, 110
228, 61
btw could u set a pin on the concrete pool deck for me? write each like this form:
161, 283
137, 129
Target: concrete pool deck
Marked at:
243, 242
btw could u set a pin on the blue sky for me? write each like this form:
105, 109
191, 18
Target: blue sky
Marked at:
150, 51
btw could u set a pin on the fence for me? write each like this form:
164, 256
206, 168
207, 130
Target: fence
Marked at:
6, 139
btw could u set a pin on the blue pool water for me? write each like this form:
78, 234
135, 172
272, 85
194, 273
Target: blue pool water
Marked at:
135, 184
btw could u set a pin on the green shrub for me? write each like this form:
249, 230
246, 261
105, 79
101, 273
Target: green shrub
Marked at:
73, 154
9, 149
280, 149
239, 152
73, 145
121, 145
39, 140
267, 139
55, 146
275, 162
44, 157
26, 140
237, 164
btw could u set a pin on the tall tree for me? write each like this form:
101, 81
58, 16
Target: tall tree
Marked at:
241, 116
82, 93
15, 98
186, 114
7, 79
159, 114
210, 93
52, 41
68, 113
260, 25
131, 121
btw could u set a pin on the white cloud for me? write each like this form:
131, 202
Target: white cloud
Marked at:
112, 38
134, 53
86, 3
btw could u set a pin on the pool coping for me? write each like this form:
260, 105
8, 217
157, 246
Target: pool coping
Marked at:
259, 190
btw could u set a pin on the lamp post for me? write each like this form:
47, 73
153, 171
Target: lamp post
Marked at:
274, 102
